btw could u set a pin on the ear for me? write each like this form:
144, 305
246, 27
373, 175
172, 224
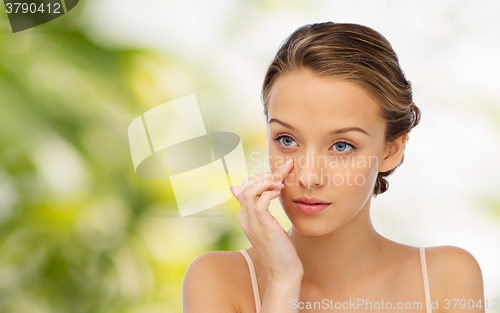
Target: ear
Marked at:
393, 153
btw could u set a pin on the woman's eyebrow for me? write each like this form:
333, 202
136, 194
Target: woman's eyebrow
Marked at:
333, 132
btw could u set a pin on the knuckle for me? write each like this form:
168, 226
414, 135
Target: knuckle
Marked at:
248, 183
266, 179
278, 176
246, 193
259, 214
270, 181
260, 209
257, 180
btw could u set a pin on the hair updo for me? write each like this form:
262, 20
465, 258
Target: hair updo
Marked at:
355, 53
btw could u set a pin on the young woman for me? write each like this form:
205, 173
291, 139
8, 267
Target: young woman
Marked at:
339, 110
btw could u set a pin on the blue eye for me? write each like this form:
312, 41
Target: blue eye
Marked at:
342, 146
287, 141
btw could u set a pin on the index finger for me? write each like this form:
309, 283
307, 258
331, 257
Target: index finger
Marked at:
282, 171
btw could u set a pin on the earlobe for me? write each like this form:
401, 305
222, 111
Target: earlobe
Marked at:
394, 153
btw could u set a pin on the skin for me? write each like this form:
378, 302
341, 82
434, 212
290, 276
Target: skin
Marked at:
335, 254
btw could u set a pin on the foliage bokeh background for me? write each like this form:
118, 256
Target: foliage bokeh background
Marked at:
80, 232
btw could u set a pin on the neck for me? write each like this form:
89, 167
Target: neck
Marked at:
341, 256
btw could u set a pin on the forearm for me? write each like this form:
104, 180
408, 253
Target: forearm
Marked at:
280, 296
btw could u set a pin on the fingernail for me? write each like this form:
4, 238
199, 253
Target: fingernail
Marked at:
231, 188
289, 161
280, 183
276, 190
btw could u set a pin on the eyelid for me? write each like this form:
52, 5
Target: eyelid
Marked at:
346, 142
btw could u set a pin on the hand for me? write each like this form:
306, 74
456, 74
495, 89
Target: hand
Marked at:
270, 241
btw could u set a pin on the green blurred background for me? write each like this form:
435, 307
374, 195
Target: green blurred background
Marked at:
80, 232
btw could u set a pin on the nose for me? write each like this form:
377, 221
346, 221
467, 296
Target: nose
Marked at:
310, 170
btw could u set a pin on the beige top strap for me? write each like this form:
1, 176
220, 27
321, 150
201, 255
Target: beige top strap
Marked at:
253, 277
425, 276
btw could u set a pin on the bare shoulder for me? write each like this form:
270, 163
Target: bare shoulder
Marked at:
453, 263
211, 282
454, 273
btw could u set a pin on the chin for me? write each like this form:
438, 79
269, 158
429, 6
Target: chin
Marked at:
311, 226
312, 232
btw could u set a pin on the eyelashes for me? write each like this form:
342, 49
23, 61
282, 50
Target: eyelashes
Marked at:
342, 145
278, 138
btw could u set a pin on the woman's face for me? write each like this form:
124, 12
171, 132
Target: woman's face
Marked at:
332, 130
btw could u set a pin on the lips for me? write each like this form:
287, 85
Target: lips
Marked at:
311, 205
311, 200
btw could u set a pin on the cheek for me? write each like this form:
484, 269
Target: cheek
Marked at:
276, 158
365, 178
353, 174
366, 169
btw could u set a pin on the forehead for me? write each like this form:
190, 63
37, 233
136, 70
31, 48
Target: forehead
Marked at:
305, 99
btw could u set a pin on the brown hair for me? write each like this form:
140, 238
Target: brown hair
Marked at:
356, 53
